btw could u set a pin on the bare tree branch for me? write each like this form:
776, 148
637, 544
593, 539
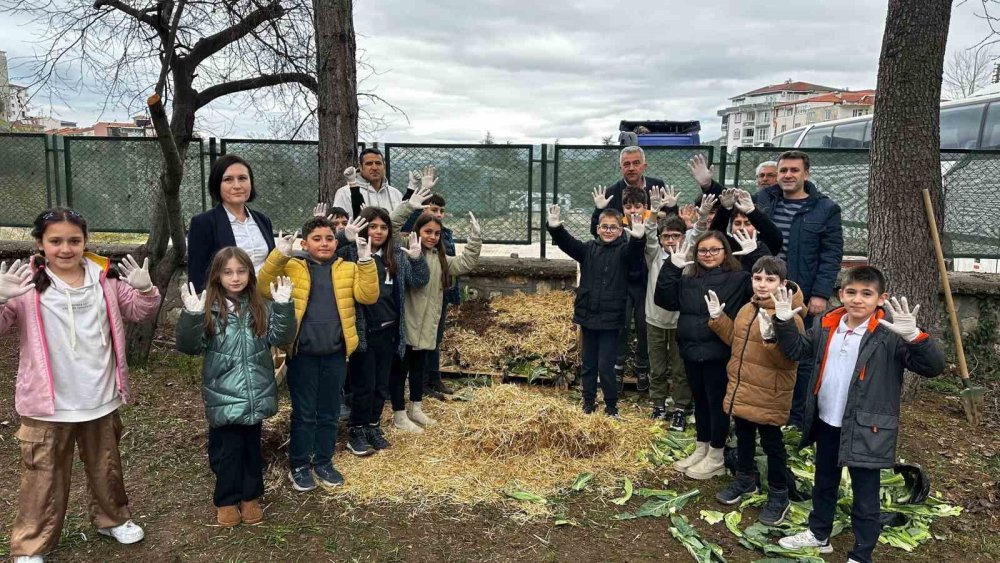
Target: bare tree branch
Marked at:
125, 8
212, 44
257, 82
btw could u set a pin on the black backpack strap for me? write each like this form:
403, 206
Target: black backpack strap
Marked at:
356, 201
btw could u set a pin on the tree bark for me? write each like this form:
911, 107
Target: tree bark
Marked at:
905, 155
337, 92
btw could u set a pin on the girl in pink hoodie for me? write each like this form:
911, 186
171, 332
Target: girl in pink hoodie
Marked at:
70, 309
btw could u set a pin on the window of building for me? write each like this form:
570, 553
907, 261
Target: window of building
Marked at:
859, 112
828, 115
736, 133
783, 127
750, 116
748, 133
762, 134
960, 126
765, 115
737, 117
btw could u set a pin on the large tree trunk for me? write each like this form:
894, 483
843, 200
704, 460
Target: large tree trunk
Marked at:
337, 92
905, 155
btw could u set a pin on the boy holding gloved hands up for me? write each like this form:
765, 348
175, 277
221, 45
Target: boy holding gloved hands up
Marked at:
599, 307
859, 352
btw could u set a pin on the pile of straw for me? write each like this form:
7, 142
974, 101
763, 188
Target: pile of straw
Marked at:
512, 330
504, 437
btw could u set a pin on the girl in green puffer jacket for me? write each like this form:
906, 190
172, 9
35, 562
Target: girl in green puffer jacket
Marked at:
235, 332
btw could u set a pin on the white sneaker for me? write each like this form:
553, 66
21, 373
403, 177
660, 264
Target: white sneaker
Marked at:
29, 559
127, 533
403, 422
805, 538
415, 411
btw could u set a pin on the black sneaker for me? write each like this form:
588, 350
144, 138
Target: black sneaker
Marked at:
327, 476
430, 391
776, 508
612, 412
357, 442
620, 377
642, 382
375, 437
678, 421
302, 480
659, 413
589, 407
744, 484
440, 387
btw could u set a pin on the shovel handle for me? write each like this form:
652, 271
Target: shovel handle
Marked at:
956, 330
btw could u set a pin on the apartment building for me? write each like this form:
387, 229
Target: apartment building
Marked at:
823, 107
748, 120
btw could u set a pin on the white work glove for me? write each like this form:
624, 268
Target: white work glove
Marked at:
413, 248
351, 175
429, 178
669, 196
192, 300
766, 324
636, 228
744, 202
413, 180
707, 204
783, 304
364, 249
320, 210
554, 220
747, 242
418, 198
476, 232
678, 257
281, 289
700, 170
354, 226
660, 197
14, 281
728, 198
601, 199
284, 242
714, 308
904, 321
135, 275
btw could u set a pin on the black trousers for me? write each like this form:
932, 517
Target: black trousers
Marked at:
235, 457
417, 364
598, 351
371, 376
708, 382
773, 444
800, 395
865, 487
635, 310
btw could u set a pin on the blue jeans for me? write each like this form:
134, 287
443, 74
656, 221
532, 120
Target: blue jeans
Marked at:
599, 348
314, 384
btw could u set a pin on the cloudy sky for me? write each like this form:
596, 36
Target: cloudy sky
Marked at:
537, 71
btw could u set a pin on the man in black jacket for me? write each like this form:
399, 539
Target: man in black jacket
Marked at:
632, 161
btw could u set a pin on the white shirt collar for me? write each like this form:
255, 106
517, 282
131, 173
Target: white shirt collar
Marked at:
860, 330
232, 218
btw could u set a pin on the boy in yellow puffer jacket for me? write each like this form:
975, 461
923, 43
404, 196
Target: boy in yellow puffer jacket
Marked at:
761, 382
325, 291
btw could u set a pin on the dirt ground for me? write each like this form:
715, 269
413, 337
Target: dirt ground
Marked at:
169, 482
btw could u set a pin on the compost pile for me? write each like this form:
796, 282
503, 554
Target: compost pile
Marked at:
528, 335
496, 442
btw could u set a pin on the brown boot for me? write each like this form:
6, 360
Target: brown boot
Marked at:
228, 516
252, 512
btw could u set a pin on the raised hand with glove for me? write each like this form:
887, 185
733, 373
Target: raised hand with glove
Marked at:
904, 321
284, 243
135, 275
15, 281
553, 218
355, 226
783, 304
413, 247
744, 202
748, 243
601, 199
475, 231
715, 309
192, 300
351, 176
364, 250
679, 257
429, 178
281, 289
636, 228
700, 170
728, 198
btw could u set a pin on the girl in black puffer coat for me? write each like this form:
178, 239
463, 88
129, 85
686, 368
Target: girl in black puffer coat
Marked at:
709, 264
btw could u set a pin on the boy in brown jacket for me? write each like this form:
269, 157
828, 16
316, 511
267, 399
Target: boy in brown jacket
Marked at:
761, 382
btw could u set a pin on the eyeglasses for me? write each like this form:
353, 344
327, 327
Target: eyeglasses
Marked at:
709, 251
671, 236
609, 228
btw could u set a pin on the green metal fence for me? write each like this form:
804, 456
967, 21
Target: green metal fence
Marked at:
492, 181
24, 178
578, 169
971, 180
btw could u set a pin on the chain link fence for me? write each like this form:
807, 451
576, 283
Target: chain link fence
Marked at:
971, 180
24, 179
491, 181
578, 169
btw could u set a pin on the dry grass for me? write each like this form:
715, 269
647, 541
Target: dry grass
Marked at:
505, 437
520, 328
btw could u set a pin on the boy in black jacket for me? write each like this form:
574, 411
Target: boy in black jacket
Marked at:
859, 353
599, 307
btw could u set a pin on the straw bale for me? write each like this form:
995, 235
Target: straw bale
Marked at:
504, 437
506, 330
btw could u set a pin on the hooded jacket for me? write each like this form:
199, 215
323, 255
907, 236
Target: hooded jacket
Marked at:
387, 197
761, 377
815, 241
237, 375
603, 291
870, 425
34, 393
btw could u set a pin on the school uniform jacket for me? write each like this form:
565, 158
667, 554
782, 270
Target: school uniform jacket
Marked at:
870, 425
351, 282
761, 377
